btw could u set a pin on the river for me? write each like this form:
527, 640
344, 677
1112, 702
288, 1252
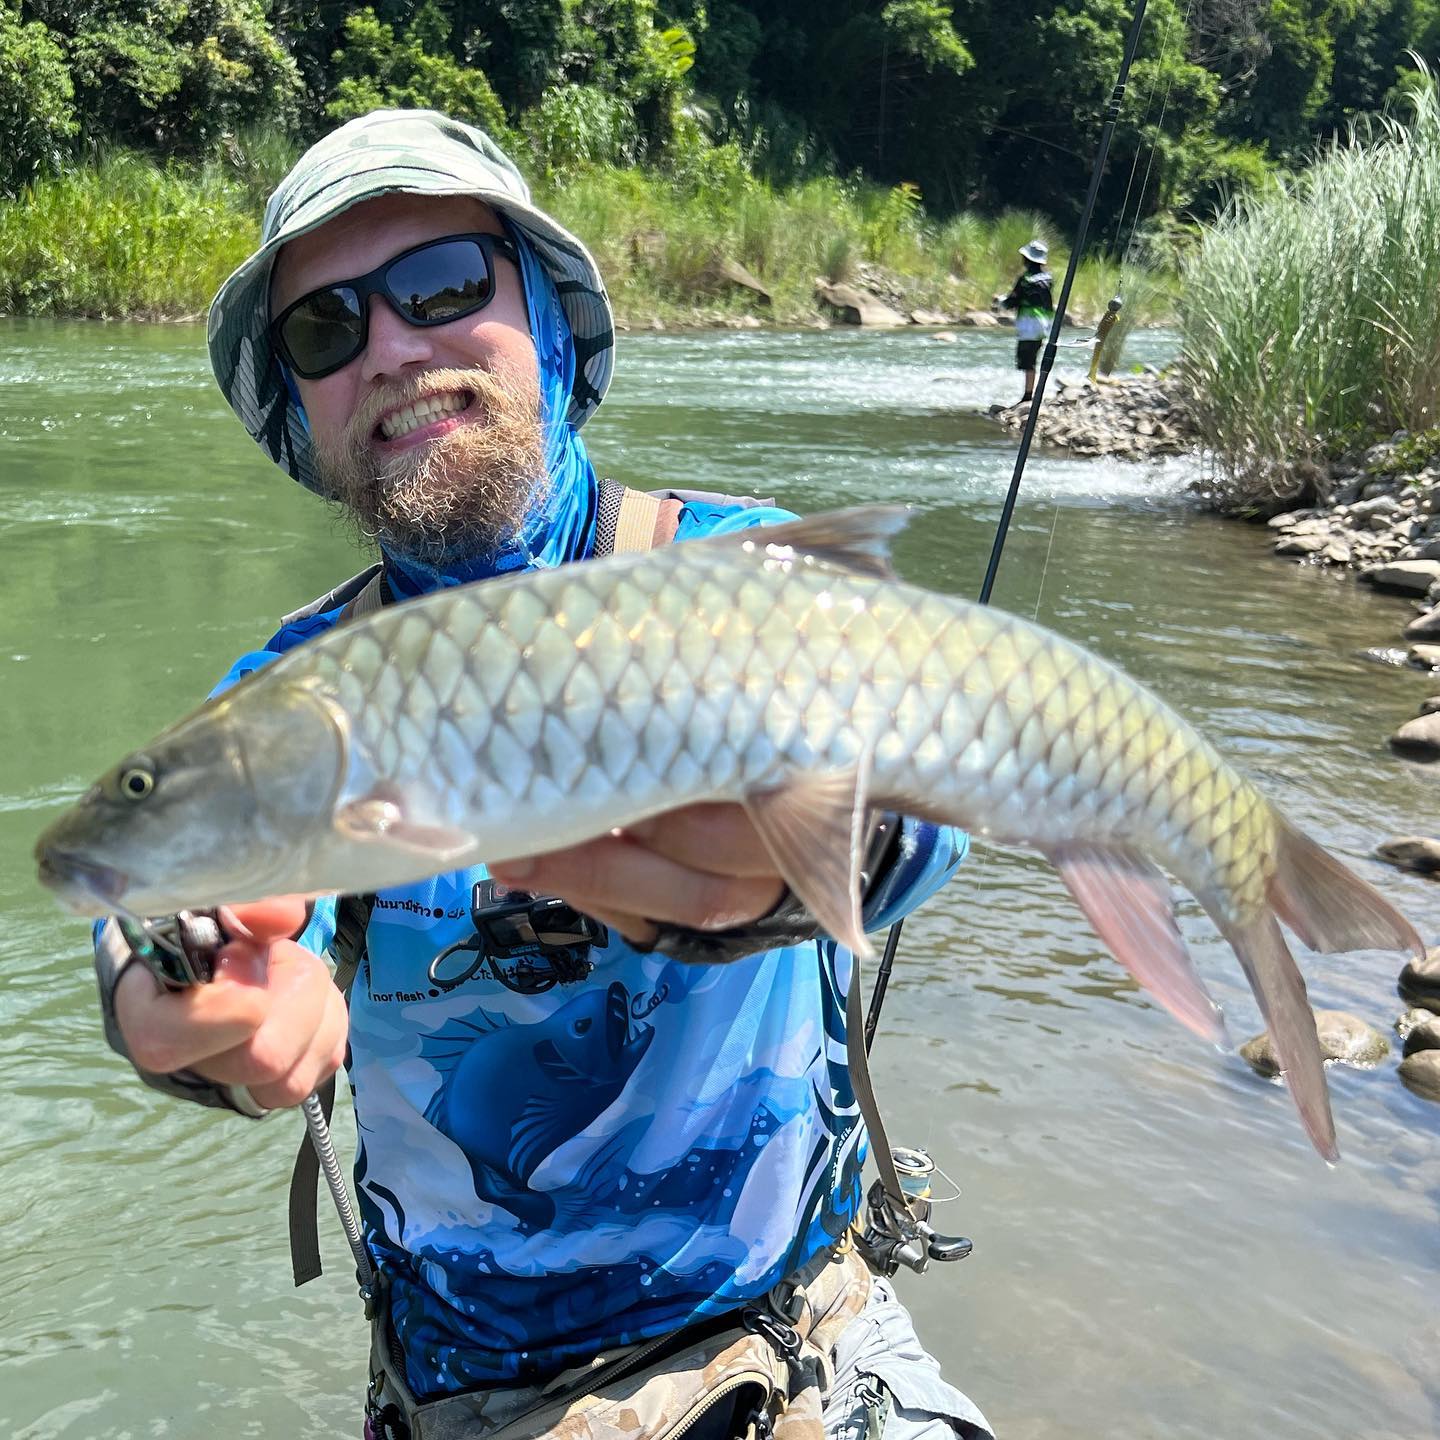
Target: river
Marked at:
1158, 1252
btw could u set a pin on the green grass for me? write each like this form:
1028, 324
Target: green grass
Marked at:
1310, 316
125, 237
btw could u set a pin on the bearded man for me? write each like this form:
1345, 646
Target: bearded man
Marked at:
556, 1164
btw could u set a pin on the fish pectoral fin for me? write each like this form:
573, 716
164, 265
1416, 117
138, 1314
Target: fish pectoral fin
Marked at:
1127, 900
855, 540
813, 827
380, 820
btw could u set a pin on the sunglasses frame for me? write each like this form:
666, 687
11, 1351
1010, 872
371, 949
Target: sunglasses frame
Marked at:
373, 283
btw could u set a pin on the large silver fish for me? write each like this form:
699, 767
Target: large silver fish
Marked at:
787, 669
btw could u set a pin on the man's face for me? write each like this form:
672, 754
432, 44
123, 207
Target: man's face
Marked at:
448, 483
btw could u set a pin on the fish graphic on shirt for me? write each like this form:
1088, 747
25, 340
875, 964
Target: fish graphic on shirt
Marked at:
519, 1092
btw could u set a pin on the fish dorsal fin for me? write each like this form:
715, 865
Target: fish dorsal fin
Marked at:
813, 827
856, 540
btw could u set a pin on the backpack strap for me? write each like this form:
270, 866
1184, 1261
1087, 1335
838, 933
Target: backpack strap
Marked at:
629, 520
352, 916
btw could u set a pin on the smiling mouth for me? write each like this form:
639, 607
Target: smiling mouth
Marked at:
428, 411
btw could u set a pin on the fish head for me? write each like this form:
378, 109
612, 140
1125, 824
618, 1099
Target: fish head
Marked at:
211, 812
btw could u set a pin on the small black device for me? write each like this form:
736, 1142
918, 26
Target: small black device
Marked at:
529, 943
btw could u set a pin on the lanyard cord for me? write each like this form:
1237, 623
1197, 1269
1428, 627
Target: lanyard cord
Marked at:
1112, 115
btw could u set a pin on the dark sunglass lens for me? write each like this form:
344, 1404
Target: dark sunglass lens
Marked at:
324, 330
441, 282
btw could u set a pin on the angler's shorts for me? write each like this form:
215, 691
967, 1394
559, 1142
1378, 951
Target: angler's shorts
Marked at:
1027, 354
884, 1378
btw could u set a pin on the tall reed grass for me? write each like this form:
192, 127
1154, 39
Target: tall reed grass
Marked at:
1311, 313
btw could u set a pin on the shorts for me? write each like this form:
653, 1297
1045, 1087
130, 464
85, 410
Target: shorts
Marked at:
884, 1378
1027, 353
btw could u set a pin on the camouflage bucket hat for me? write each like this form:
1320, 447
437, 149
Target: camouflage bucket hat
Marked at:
419, 152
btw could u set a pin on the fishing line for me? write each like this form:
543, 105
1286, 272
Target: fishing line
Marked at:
1102, 154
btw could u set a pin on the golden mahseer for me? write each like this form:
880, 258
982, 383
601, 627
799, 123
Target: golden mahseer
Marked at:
786, 668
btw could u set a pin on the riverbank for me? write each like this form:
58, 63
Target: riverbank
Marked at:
125, 238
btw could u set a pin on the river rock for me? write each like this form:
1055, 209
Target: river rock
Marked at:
1410, 1019
945, 337
1419, 982
1424, 1034
928, 317
1403, 577
1420, 1074
859, 307
1430, 705
1424, 657
980, 320
1410, 852
1295, 544
1424, 627
1418, 739
1345, 1039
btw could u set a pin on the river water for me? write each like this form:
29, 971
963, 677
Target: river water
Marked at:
1158, 1252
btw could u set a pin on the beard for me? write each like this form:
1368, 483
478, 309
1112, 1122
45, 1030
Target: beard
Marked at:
453, 499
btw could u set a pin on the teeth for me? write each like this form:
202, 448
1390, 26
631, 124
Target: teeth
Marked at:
422, 412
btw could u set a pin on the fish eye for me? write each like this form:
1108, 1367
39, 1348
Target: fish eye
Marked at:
581, 1026
136, 782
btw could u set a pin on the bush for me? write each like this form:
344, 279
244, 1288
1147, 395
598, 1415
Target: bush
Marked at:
37, 118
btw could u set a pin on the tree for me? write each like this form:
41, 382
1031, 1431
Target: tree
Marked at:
37, 117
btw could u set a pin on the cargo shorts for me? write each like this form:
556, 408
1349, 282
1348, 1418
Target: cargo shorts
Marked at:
887, 1385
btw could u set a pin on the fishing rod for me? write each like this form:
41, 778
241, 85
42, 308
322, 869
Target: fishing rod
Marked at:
1097, 171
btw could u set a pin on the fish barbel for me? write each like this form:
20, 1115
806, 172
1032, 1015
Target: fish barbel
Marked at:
785, 668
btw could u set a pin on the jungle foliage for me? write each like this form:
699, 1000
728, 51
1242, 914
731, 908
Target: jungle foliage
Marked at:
978, 104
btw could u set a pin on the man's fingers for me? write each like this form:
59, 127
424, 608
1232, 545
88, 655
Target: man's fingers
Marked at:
617, 875
298, 988
718, 838
280, 918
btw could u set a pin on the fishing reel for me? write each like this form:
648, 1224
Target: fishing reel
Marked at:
179, 950
896, 1236
529, 943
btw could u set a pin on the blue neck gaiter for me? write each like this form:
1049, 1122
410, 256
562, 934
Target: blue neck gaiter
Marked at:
560, 524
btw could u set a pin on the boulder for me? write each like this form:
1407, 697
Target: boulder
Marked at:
1300, 545
946, 337
1424, 1034
980, 320
928, 317
1426, 657
1419, 982
1418, 739
1430, 705
1344, 1040
1403, 577
721, 274
1420, 1074
1410, 1019
1425, 627
1411, 852
859, 307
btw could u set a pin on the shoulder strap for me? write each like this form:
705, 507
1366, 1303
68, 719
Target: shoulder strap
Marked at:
352, 916
631, 520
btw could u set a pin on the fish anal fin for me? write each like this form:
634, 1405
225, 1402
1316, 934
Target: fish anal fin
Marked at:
1127, 900
1330, 907
1280, 989
813, 827
855, 540
379, 818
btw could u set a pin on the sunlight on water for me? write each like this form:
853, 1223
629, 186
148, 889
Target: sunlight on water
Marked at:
1158, 1253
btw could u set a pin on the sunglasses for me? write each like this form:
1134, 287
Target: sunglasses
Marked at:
430, 284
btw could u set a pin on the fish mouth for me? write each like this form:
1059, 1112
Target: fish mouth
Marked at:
78, 880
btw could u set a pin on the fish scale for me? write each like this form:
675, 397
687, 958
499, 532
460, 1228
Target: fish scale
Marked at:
787, 670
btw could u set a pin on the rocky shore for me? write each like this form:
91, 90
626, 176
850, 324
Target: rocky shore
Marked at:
1132, 417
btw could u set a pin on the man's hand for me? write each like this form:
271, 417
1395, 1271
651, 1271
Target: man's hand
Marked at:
271, 1019
703, 867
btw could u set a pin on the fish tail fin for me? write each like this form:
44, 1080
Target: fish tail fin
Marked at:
1127, 900
1328, 906
1280, 989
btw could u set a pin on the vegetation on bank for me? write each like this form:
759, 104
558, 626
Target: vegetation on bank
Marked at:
125, 236
1309, 313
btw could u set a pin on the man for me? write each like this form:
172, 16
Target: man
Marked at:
553, 1163
1031, 299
